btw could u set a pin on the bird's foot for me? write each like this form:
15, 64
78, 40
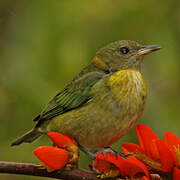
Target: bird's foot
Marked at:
112, 151
103, 162
104, 151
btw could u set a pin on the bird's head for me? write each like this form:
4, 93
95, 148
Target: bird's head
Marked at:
123, 54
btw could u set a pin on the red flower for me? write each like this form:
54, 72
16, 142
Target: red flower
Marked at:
147, 139
67, 143
152, 153
57, 157
61, 140
174, 144
54, 158
151, 150
176, 174
111, 165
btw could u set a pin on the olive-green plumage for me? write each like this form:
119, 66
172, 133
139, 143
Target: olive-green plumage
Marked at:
102, 102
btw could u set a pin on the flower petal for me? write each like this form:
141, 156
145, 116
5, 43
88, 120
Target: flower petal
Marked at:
53, 157
104, 163
131, 148
166, 156
109, 157
171, 139
173, 142
60, 139
176, 174
67, 143
102, 166
132, 166
146, 138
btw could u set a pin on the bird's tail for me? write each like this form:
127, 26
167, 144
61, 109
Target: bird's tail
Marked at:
28, 137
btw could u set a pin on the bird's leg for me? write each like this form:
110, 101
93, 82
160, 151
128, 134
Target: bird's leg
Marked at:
89, 154
104, 151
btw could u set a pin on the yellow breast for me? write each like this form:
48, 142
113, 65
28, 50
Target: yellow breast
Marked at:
127, 82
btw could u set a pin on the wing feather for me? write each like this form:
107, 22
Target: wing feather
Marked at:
73, 96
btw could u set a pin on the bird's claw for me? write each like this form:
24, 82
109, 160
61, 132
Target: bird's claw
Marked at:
112, 151
106, 150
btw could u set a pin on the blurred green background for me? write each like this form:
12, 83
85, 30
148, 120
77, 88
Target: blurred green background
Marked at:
44, 43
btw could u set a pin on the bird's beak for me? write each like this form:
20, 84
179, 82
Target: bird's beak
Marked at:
148, 49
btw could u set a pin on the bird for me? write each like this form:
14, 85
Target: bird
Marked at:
102, 102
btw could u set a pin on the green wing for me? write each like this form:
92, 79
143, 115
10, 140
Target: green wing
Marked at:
77, 93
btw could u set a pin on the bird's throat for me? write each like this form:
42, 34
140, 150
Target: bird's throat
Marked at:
127, 82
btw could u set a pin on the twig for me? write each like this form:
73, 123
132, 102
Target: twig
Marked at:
33, 170
74, 174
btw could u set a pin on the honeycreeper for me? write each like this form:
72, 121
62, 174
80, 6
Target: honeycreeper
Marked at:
102, 102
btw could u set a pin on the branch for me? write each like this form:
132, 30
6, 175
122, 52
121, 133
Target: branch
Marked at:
74, 174
33, 170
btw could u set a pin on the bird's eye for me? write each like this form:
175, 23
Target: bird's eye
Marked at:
124, 50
